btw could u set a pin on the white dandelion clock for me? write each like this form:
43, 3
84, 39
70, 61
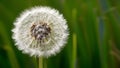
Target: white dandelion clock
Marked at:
40, 31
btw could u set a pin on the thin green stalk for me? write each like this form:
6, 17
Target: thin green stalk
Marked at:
35, 61
40, 62
45, 63
74, 51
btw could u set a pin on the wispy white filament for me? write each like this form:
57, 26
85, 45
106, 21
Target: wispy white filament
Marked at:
40, 31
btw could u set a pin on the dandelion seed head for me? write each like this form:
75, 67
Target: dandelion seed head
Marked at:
40, 31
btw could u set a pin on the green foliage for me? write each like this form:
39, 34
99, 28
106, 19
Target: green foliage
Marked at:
94, 40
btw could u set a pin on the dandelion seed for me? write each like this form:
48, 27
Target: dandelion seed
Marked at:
40, 31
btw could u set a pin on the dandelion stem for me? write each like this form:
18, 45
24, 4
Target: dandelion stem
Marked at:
45, 63
35, 61
40, 62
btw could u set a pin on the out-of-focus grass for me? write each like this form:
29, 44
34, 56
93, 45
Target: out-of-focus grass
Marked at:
94, 40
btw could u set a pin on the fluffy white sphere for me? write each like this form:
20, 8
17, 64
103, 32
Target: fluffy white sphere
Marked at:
40, 31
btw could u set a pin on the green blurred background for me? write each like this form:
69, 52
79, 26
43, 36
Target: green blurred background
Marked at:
94, 40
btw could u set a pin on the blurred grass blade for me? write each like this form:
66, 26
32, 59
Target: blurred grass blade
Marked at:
74, 58
8, 48
111, 32
12, 57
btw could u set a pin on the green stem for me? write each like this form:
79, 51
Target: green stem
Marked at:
74, 51
40, 62
35, 61
45, 63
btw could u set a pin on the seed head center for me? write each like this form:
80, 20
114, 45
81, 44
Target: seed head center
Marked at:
40, 31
